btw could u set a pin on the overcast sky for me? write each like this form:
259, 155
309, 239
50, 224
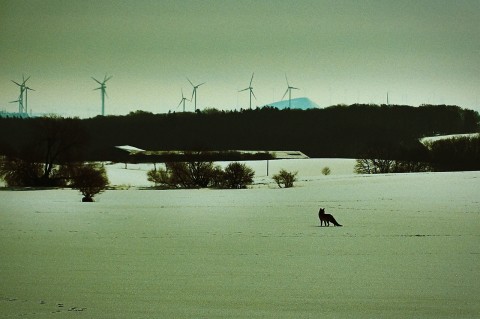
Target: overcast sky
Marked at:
334, 51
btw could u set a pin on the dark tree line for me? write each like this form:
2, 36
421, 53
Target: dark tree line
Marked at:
42, 152
355, 131
50, 156
455, 154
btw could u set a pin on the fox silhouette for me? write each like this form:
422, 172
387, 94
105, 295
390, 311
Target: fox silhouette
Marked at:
326, 218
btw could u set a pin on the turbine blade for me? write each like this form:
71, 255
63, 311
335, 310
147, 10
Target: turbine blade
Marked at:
190, 82
253, 94
294, 88
180, 103
96, 80
284, 94
251, 80
286, 79
16, 83
244, 90
201, 84
25, 80
106, 79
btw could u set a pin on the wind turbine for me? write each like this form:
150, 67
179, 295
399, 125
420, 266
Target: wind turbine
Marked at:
250, 88
102, 90
23, 88
26, 97
19, 103
194, 92
183, 101
289, 91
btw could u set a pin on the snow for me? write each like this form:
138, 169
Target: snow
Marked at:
409, 248
130, 149
445, 137
135, 175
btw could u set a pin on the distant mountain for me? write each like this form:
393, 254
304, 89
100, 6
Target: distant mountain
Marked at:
301, 103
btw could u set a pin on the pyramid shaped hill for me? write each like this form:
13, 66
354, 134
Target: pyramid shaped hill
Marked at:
301, 103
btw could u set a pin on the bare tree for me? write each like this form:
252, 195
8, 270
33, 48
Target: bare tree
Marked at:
57, 143
48, 158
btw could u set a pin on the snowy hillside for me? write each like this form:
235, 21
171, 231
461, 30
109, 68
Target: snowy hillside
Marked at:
408, 248
444, 137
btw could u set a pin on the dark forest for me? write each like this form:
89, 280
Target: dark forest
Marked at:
353, 131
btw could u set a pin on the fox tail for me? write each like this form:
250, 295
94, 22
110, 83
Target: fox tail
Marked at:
335, 222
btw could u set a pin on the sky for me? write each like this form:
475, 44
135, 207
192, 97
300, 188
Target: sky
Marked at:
422, 51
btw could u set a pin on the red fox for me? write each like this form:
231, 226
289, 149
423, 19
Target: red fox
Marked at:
326, 218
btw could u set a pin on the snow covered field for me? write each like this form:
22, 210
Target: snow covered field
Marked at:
135, 175
409, 248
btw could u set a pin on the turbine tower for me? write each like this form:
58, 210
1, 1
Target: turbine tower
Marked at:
289, 91
102, 90
22, 108
183, 101
26, 97
194, 92
250, 88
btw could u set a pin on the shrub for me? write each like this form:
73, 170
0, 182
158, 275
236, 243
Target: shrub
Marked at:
373, 166
90, 179
384, 166
217, 180
326, 171
160, 177
19, 173
285, 179
237, 175
25, 173
191, 174
184, 175
411, 167
201, 174
178, 175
